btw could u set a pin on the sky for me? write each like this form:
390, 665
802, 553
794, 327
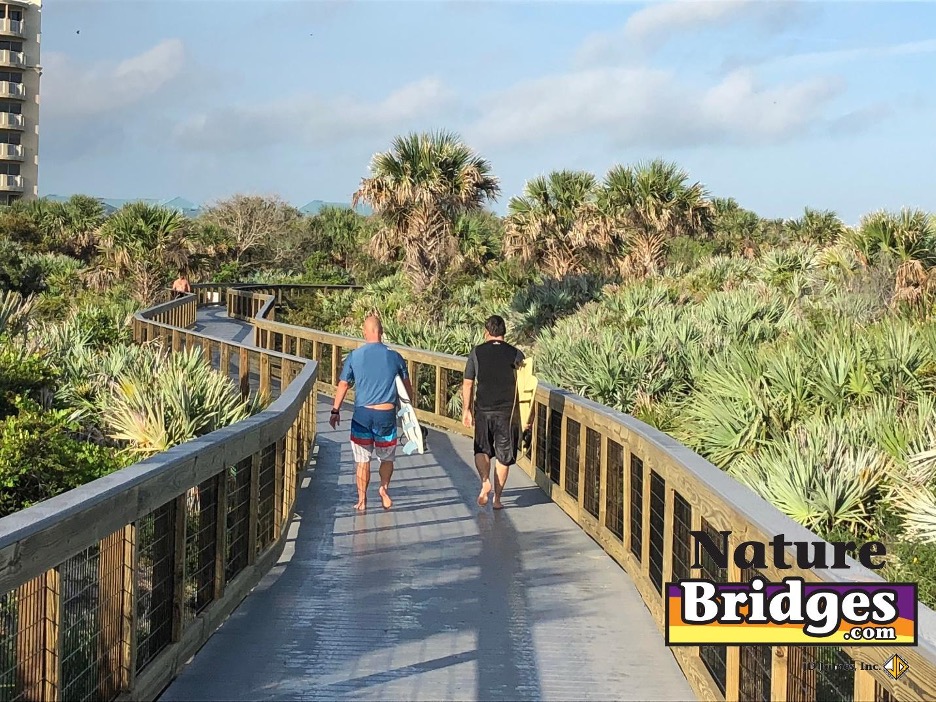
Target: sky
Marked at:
779, 104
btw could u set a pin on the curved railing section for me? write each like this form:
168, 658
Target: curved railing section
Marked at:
106, 590
638, 493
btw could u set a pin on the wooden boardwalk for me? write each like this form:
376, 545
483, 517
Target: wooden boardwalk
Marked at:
435, 599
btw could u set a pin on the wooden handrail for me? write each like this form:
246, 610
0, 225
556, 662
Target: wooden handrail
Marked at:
106, 590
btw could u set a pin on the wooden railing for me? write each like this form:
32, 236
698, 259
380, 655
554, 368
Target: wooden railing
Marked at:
638, 493
106, 590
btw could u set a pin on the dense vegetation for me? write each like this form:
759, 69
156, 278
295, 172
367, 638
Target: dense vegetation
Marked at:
797, 355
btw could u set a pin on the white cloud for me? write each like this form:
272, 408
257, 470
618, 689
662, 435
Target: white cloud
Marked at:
652, 26
72, 89
824, 58
313, 119
650, 107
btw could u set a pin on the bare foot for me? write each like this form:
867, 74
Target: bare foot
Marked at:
497, 504
485, 489
385, 498
361, 505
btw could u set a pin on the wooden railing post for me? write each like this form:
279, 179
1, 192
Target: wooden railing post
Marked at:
733, 653
38, 638
779, 676
440, 390
279, 480
115, 575
220, 535
264, 373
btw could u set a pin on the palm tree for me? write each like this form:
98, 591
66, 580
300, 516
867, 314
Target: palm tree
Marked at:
817, 226
649, 204
418, 189
547, 227
480, 238
909, 235
144, 244
338, 230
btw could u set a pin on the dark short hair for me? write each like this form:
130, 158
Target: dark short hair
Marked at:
495, 325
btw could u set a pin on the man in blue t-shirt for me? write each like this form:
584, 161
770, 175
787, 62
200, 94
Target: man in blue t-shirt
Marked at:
372, 368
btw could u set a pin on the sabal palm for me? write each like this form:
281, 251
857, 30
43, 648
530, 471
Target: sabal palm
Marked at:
339, 230
649, 204
817, 226
909, 235
418, 189
547, 226
145, 243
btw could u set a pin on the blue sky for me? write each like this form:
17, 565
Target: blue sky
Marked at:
778, 104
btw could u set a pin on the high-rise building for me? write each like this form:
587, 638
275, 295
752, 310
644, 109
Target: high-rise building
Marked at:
19, 99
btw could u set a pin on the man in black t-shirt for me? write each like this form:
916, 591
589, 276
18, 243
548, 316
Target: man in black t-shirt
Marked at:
493, 366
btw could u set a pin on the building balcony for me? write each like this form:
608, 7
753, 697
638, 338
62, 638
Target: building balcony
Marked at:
11, 183
12, 58
11, 152
11, 121
13, 90
11, 27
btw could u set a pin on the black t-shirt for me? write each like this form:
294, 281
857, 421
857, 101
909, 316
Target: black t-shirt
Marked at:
492, 365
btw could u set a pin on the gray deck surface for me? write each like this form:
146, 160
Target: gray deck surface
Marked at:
436, 599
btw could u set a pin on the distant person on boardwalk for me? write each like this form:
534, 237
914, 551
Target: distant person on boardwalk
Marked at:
372, 368
180, 286
496, 414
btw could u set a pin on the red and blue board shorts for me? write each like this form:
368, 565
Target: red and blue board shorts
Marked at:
373, 433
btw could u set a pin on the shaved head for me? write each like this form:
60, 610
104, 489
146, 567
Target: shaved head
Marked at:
373, 329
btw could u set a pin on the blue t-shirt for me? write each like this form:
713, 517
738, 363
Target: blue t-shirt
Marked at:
373, 369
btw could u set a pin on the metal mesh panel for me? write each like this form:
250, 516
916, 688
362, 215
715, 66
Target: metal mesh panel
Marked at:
715, 657
756, 662
555, 445
424, 384
200, 547
614, 495
81, 619
452, 381
154, 583
8, 618
573, 439
276, 377
636, 505
592, 472
541, 436
325, 354
238, 517
253, 366
820, 673
657, 521
682, 548
266, 512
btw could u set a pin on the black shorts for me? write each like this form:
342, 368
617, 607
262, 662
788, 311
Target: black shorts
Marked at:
497, 434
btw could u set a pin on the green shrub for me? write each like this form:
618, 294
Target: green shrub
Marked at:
23, 374
41, 456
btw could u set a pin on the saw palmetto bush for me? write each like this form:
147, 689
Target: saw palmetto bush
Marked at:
161, 400
817, 476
